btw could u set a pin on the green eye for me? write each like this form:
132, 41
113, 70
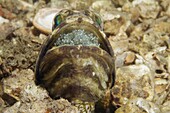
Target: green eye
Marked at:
58, 20
98, 21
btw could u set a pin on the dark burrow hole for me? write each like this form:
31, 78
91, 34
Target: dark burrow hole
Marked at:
158, 71
99, 108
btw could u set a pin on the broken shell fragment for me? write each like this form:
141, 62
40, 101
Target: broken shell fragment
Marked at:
139, 105
130, 58
131, 82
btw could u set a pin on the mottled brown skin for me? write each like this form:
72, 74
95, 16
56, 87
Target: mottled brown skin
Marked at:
81, 74
71, 67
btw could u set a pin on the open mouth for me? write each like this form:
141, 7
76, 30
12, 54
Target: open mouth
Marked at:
75, 33
77, 37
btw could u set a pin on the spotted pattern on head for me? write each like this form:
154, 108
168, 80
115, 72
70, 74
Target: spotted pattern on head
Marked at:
68, 16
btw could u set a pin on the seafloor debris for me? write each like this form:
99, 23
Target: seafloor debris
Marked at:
31, 98
131, 82
139, 105
2, 20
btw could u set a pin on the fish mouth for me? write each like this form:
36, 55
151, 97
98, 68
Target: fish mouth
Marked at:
87, 28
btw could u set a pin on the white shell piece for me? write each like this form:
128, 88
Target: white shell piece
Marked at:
44, 18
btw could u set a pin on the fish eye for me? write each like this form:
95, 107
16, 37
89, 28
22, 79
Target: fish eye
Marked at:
57, 21
98, 20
